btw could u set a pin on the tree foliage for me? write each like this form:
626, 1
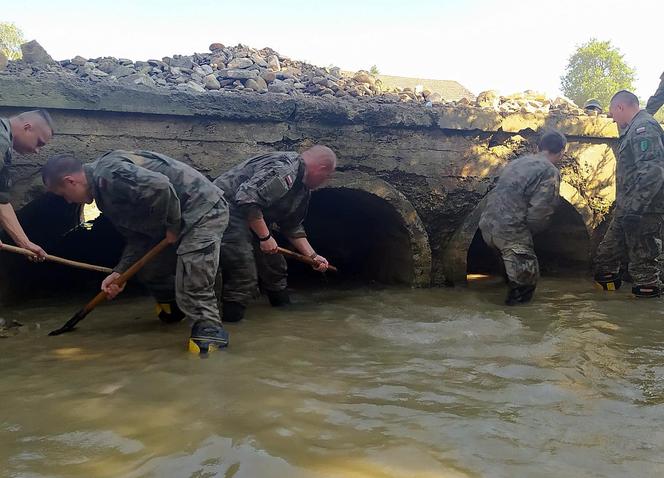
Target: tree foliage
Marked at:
11, 38
596, 70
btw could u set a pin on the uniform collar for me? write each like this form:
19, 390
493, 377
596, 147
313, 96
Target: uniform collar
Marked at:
300, 173
8, 127
89, 169
631, 123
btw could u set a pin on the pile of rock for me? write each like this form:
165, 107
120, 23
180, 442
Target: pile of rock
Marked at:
241, 68
223, 68
226, 68
527, 102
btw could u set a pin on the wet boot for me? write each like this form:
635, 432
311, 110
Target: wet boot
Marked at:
608, 280
519, 294
232, 311
207, 336
278, 298
646, 291
169, 312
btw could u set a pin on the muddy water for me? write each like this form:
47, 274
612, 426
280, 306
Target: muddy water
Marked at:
364, 383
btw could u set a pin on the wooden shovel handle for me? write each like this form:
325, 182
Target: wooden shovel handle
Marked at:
129, 273
101, 296
56, 259
301, 258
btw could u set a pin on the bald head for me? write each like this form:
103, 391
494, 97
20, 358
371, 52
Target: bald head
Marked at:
623, 107
320, 162
31, 130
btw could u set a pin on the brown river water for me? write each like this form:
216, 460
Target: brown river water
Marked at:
356, 383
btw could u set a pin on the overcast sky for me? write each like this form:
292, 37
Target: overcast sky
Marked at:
506, 45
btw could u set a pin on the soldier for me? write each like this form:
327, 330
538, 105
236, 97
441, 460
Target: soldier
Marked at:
592, 107
24, 133
520, 206
656, 101
637, 219
147, 196
269, 189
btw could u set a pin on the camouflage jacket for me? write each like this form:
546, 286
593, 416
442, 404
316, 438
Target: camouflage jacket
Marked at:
656, 101
524, 198
269, 186
144, 193
640, 168
5, 160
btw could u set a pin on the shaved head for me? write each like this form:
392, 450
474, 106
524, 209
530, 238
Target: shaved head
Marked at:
31, 130
320, 162
322, 154
624, 107
626, 98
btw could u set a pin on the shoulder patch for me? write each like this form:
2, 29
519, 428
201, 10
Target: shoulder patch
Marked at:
289, 180
640, 130
644, 145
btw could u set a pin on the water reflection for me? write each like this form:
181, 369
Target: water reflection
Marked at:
365, 383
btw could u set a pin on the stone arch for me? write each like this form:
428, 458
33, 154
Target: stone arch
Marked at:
370, 230
572, 227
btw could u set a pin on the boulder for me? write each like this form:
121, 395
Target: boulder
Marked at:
239, 63
33, 52
211, 82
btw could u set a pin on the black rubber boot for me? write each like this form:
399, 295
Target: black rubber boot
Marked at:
519, 294
646, 291
232, 311
207, 336
278, 298
169, 312
608, 280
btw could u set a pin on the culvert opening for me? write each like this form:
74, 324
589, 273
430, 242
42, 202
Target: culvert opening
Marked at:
562, 249
55, 225
360, 233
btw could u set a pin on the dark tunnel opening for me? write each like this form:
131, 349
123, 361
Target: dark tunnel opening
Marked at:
56, 226
562, 249
360, 233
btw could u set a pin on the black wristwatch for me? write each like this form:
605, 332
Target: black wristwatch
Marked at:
266, 238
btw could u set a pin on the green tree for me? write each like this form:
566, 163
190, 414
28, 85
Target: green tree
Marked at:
11, 38
374, 70
596, 70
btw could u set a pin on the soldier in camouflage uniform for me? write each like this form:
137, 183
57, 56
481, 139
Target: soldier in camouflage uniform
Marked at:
147, 196
264, 191
656, 101
24, 133
521, 205
636, 227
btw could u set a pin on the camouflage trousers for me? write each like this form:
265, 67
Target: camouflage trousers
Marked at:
243, 263
636, 239
187, 273
518, 255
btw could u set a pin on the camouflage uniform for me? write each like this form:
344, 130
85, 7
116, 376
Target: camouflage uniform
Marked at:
637, 221
656, 101
5, 160
143, 194
521, 205
268, 186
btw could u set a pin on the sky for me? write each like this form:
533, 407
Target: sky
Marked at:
506, 45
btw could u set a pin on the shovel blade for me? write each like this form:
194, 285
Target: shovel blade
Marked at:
70, 324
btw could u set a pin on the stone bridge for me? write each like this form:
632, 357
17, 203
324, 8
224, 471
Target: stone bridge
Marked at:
403, 207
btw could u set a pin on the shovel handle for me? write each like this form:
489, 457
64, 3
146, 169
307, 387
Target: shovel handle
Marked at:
129, 273
301, 258
56, 259
101, 296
